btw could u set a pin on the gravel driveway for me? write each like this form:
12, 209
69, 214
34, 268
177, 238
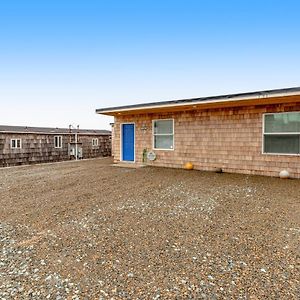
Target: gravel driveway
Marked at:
88, 230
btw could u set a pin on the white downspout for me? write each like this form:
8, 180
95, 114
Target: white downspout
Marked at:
76, 142
76, 146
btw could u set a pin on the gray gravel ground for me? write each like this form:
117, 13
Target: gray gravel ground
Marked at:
87, 230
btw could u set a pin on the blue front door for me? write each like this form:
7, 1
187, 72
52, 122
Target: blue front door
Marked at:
128, 142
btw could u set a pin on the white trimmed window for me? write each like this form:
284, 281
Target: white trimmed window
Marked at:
282, 133
15, 143
95, 142
163, 134
58, 141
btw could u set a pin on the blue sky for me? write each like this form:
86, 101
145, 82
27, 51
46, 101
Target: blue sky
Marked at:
60, 60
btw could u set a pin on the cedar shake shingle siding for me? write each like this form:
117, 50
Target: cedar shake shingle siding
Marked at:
230, 138
38, 145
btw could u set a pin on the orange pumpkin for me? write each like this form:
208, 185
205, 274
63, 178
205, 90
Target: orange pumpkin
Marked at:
188, 166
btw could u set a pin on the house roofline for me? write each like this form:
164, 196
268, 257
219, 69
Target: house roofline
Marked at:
50, 131
203, 100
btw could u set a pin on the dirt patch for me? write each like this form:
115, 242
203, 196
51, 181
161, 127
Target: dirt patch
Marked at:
88, 230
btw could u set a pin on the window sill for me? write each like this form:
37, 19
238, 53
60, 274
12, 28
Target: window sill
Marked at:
281, 154
156, 149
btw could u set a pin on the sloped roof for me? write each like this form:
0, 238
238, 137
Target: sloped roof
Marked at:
48, 130
202, 100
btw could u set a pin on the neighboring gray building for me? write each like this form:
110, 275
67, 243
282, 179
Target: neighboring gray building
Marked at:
28, 145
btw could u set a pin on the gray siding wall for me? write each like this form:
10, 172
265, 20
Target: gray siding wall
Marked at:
39, 148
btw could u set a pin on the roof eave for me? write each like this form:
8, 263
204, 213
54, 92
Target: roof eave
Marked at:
222, 100
53, 133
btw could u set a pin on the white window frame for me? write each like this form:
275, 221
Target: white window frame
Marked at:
95, 142
16, 143
59, 138
162, 134
277, 133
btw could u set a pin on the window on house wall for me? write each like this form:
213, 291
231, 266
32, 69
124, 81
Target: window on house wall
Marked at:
163, 134
95, 142
15, 143
58, 141
282, 133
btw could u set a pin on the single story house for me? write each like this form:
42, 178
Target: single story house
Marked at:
27, 145
250, 133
